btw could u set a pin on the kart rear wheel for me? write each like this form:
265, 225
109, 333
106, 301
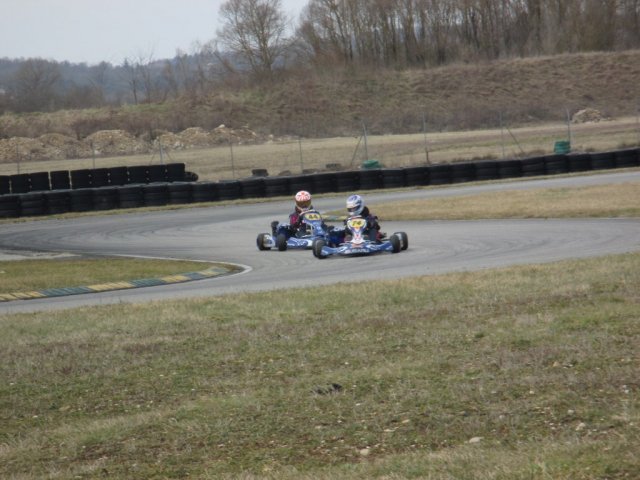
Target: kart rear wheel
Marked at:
404, 240
261, 241
317, 248
281, 242
395, 243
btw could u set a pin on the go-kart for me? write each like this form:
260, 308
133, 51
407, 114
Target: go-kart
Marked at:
357, 244
283, 238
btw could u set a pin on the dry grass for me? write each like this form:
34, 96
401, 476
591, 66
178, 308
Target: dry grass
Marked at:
526, 372
597, 201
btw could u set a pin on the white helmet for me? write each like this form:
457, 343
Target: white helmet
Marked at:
355, 205
303, 200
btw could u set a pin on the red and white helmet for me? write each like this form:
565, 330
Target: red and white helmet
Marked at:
303, 200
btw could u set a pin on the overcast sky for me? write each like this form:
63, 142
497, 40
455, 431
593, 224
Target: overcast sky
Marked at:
109, 30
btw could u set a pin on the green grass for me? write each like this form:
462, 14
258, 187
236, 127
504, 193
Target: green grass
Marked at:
28, 275
537, 362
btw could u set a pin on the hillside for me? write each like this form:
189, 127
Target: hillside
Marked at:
452, 98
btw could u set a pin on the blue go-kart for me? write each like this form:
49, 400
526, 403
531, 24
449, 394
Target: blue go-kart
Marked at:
355, 242
283, 238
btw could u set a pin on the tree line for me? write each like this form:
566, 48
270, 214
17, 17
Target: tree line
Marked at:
257, 43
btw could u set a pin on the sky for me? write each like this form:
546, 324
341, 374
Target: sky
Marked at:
93, 31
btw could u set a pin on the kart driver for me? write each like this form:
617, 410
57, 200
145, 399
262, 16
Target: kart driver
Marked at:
357, 208
302, 204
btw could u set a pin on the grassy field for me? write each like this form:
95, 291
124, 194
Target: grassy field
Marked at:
526, 373
28, 275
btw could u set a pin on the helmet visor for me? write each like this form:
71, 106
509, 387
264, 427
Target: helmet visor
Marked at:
303, 204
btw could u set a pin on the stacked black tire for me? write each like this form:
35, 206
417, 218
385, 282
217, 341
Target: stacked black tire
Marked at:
139, 186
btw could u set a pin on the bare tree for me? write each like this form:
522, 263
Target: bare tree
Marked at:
34, 85
254, 31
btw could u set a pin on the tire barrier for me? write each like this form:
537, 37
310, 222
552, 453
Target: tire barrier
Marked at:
416, 176
276, 186
134, 195
179, 193
556, 164
19, 183
439, 174
32, 204
627, 158
5, 184
118, 176
156, 173
9, 206
532, 166
39, 182
204, 192
393, 178
602, 160
324, 182
80, 178
463, 172
130, 196
252, 187
300, 182
510, 169
175, 172
57, 201
81, 200
99, 177
370, 179
138, 174
579, 162
60, 180
229, 190
155, 195
487, 170
347, 181
105, 198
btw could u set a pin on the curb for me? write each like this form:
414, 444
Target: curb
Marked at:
107, 287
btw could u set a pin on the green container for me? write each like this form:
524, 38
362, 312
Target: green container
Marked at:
371, 164
562, 146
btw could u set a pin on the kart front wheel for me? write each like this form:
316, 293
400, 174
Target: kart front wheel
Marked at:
281, 242
395, 243
317, 246
261, 241
404, 240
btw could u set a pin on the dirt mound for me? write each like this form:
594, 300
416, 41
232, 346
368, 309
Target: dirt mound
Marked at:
588, 115
198, 137
116, 142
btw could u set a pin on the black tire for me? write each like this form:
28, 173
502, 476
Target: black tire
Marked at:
175, 172
57, 201
602, 160
105, 198
5, 184
463, 172
629, 157
252, 187
370, 179
487, 170
281, 242
99, 177
580, 162
32, 204
416, 176
440, 174
155, 195
260, 241
276, 186
317, 248
179, 193
394, 178
324, 182
20, 183
229, 190
395, 243
9, 206
118, 176
81, 200
556, 164
80, 178
157, 173
204, 192
60, 180
138, 174
39, 182
533, 166
300, 182
347, 181
404, 240
510, 169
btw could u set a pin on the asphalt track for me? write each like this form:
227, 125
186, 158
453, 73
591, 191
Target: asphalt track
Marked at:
228, 233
